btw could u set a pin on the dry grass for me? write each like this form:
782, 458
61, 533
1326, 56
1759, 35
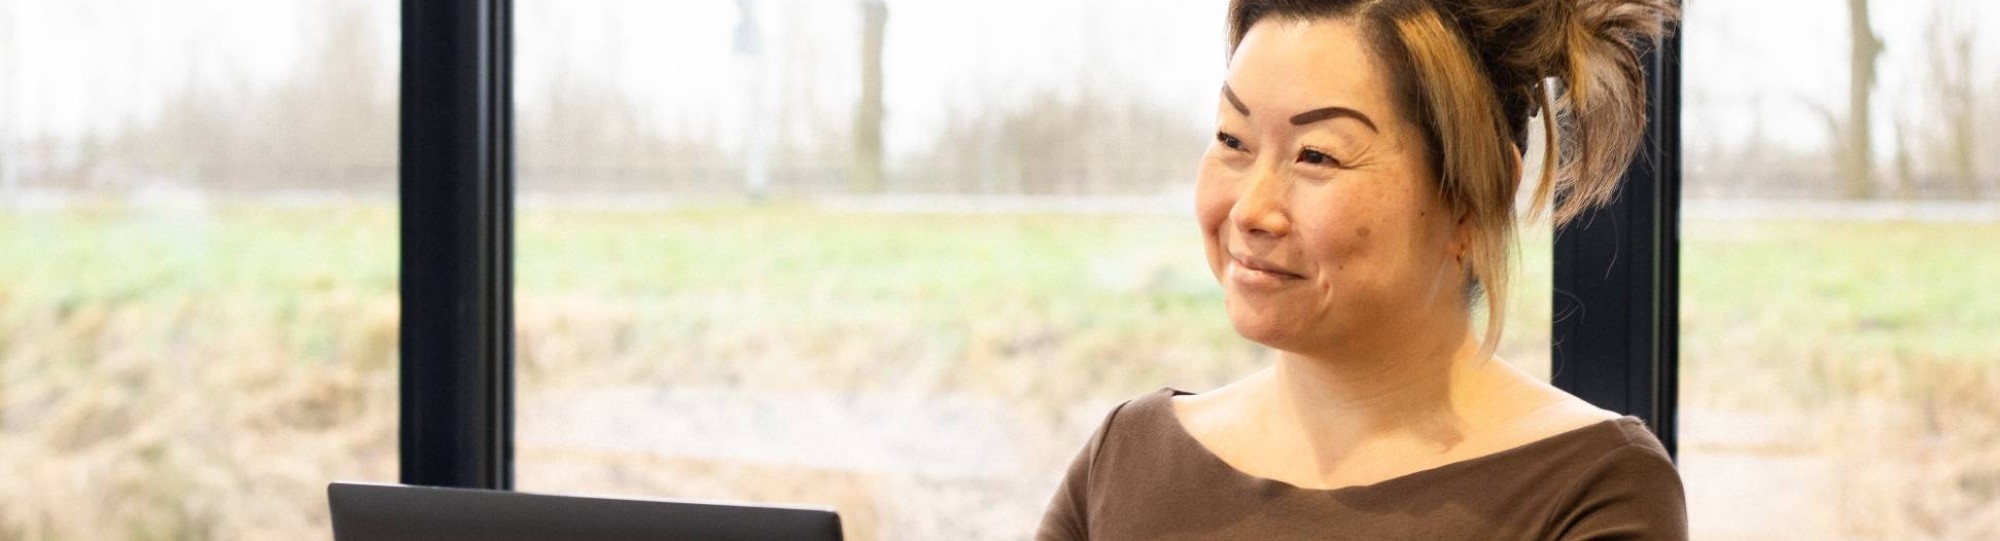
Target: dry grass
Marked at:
135, 422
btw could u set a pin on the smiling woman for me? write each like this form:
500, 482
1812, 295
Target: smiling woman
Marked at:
1356, 202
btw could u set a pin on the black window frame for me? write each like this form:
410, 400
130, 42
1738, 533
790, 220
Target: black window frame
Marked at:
1614, 339
456, 185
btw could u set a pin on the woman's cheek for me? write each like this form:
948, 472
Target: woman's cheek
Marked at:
1214, 193
1343, 233
1213, 198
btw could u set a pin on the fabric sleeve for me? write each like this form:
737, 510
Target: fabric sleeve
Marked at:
1633, 493
1068, 516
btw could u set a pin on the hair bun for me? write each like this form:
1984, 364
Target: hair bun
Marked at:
1603, 103
1591, 48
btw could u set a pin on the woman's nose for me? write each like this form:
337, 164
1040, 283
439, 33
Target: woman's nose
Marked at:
1260, 208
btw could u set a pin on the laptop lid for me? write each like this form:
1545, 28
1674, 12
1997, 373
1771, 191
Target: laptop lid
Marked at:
378, 512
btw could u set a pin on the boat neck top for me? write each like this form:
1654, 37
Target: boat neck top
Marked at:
1144, 476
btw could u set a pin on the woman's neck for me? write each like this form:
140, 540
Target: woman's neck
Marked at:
1419, 390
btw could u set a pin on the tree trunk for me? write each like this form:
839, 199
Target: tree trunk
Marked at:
866, 172
1961, 102
1857, 165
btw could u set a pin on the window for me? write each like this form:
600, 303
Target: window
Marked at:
1837, 359
198, 320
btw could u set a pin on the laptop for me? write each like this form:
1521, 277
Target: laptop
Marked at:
379, 512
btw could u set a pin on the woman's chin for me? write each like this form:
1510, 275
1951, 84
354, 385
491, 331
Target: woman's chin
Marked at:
1268, 328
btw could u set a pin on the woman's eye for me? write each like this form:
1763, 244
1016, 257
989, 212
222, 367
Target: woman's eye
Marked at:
1314, 157
1229, 141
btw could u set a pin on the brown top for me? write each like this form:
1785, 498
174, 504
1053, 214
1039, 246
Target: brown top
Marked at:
1144, 477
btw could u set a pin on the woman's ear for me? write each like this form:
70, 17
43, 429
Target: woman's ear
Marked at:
1461, 236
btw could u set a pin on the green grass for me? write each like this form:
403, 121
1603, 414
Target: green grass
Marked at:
1881, 288
1772, 292
1815, 300
1753, 292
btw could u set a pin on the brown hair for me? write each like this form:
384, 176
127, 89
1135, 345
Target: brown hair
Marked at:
1471, 73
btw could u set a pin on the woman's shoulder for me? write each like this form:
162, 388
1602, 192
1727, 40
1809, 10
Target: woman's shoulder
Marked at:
1142, 431
1138, 415
1559, 414
1591, 454
1577, 431
1521, 410
1626, 482
1142, 447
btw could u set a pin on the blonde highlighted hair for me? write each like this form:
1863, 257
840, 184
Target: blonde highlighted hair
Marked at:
1471, 73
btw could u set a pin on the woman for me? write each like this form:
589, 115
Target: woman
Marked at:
1357, 204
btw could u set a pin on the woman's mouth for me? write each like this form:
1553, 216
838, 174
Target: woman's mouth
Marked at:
1251, 271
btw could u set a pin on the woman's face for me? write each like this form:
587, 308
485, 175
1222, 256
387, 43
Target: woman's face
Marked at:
1321, 215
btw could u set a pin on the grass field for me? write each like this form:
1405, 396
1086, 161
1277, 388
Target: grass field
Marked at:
201, 373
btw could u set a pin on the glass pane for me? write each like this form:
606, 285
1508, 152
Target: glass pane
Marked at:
1839, 374
198, 312
725, 292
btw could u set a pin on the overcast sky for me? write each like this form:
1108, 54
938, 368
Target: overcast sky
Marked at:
75, 65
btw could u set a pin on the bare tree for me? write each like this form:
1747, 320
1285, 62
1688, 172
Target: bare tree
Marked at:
330, 124
344, 97
1906, 169
1952, 80
1051, 143
814, 143
1857, 164
1987, 149
867, 165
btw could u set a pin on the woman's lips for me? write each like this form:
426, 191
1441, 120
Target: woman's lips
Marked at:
1255, 272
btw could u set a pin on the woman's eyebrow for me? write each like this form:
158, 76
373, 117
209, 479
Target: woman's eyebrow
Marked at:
1304, 118
1324, 113
1234, 101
